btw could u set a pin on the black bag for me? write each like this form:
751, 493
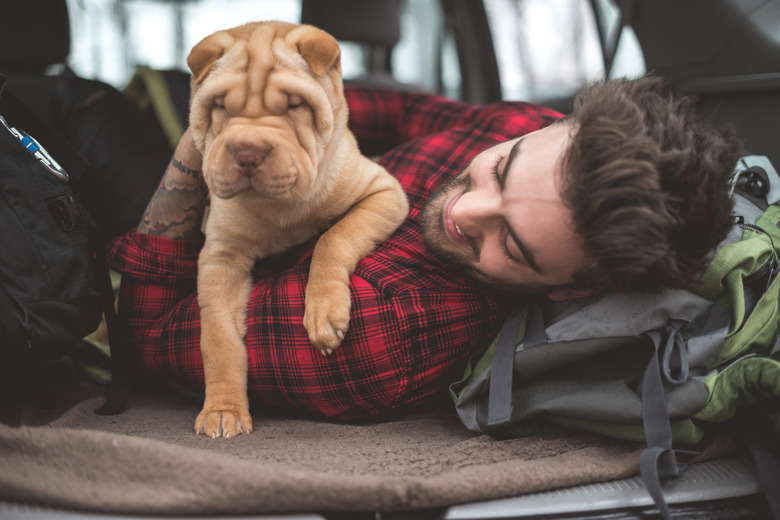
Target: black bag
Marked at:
54, 281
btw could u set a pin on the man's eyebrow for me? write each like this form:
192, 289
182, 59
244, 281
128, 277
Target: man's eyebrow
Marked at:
509, 158
528, 255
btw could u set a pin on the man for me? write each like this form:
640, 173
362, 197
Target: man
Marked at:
629, 192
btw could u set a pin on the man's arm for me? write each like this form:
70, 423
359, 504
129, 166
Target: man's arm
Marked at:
382, 119
176, 208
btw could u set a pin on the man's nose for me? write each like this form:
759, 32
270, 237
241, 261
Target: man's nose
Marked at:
475, 214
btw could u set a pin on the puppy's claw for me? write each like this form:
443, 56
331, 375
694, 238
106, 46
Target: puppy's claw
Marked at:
224, 420
326, 317
328, 351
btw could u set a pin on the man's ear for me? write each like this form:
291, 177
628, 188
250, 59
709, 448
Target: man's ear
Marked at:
569, 292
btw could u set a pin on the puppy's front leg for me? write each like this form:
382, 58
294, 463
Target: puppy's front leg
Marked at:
369, 222
224, 287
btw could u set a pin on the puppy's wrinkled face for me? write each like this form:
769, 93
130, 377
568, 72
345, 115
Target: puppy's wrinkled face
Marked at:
266, 107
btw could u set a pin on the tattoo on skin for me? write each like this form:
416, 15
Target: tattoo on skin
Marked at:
176, 208
195, 174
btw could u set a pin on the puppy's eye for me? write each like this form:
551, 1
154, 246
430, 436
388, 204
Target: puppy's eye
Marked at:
294, 102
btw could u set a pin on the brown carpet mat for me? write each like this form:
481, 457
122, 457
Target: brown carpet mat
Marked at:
149, 461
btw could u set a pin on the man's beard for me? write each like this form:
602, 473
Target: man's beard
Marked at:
432, 225
440, 246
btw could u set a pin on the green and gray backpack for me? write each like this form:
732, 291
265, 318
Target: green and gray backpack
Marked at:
656, 368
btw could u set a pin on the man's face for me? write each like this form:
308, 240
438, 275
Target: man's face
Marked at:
502, 220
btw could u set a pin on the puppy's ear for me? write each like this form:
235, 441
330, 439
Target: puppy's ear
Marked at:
320, 50
206, 52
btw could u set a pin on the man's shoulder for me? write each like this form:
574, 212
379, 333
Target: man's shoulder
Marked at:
402, 267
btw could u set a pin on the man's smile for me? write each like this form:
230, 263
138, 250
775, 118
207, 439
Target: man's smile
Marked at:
453, 231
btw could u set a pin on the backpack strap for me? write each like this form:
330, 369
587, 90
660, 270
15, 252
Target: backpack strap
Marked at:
659, 460
758, 433
503, 367
503, 364
119, 388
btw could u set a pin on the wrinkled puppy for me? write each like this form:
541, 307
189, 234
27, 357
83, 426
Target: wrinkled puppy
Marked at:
269, 115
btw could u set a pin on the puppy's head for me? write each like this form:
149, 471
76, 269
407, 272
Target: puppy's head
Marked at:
267, 109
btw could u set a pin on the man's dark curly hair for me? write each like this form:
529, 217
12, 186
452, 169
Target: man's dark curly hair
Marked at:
647, 184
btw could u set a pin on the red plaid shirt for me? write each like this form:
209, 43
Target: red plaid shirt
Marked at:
413, 324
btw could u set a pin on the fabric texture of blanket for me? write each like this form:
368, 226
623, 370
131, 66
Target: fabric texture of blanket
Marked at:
148, 460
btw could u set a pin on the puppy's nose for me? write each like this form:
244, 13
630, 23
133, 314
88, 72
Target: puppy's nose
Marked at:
249, 161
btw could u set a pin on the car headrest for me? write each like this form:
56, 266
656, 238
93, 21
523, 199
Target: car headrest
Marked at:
374, 23
34, 35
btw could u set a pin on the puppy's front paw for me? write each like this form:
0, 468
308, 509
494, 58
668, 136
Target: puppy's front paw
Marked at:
226, 422
327, 314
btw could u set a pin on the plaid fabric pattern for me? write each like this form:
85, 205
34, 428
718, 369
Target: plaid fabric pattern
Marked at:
413, 324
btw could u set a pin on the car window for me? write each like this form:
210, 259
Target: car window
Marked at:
110, 39
545, 49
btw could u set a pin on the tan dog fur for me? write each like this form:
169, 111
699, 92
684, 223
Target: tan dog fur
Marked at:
269, 115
